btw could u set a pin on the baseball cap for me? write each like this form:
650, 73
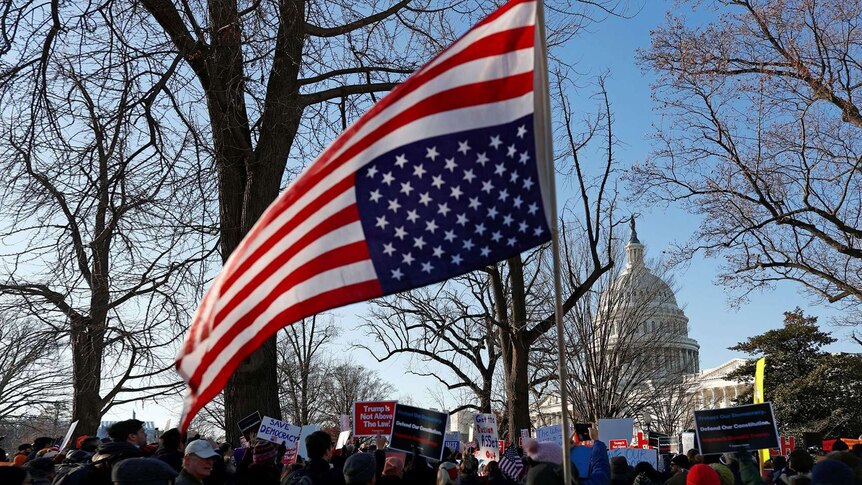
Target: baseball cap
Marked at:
201, 449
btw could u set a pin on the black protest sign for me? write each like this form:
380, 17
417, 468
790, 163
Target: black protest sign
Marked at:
423, 428
249, 422
740, 428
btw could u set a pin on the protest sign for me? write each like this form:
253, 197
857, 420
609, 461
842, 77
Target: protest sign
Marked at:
452, 441
371, 418
344, 421
616, 429
306, 430
342, 439
580, 457
552, 433
485, 426
279, 432
68, 436
617, 444
636, 455
289, 457
687, 439
741, 428
423, 428
249, 422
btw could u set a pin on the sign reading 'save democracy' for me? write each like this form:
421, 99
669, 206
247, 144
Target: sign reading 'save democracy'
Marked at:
423, 428
371, 418
740, 428
279, 432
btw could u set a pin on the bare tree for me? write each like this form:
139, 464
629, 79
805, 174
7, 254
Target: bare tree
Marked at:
346, 383
763, 142
32, 380
448, 330
303, 368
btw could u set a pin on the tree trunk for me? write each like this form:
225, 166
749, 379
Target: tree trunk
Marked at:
87, 343
518, 385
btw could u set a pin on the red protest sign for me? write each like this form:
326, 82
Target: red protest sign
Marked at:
617, 444
371, 418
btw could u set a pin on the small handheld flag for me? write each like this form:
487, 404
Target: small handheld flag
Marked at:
440, 177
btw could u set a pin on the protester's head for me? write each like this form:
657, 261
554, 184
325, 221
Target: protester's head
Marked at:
12, 475
543, 451
679, 463
319, 446
850, 460
840, 445
264, 452
77, 456
447, 474
142, 471
108, 455
857, 450
724, 474
87, 443
647, 470
546, 474
360, 469
171, 440
831, 472
779, 463
690, 454
619, 468
800, 461
41, 468
393, 467
492, 468
130, 431
701, 474
25, 448
468, 466
198, 459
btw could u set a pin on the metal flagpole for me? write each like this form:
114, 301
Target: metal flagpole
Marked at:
543, 120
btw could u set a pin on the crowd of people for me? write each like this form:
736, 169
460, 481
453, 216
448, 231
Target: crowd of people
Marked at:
126, 458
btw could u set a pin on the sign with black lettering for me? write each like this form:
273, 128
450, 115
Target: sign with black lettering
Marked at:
421, 428
741, 428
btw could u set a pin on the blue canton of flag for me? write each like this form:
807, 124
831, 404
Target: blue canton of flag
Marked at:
443, 206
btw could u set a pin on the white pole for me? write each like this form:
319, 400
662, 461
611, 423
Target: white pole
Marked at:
546, 145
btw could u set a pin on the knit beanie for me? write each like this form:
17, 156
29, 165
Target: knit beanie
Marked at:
264, 452
543, 451
359, 468
831, 472
724, 474
701, 474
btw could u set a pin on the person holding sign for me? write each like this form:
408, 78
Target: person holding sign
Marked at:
319, 446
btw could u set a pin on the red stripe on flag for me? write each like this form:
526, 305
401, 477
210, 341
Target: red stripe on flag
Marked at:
342, 256
323, 301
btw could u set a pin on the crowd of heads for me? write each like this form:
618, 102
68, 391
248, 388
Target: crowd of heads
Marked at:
125, 457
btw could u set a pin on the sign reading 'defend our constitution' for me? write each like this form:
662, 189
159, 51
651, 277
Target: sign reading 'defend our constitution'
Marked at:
423, 428
740, 428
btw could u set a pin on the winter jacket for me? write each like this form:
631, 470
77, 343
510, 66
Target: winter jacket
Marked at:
320, 472
600, 466
173, 458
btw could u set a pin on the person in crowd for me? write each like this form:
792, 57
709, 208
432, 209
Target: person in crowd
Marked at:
12, 475
468, 471
143, 471
417, 470
170, 449
41, 471
621, 473
360, 469
263, 470
447, 474
393, 471
319, 447
39, 444
645, 474
495, 475
799, 463
88, 444
701, 474
197, 463
725, 475
779, 468
131, 431
24, 451
851, 460
831, 472
98, 470
679, 466
224, 471
840, 445
857, 450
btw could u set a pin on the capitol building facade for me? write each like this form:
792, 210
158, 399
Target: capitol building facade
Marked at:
640, 309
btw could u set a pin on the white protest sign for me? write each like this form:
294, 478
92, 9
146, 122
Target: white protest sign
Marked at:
616, 429
486, 437
306, 430
344, 421
687, 438
279, 432
68, 436
552, 433
167, 425
342, 439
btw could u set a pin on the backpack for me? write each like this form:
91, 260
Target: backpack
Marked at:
298, 477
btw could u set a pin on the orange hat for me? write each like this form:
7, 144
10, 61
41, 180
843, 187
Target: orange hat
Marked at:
19, 460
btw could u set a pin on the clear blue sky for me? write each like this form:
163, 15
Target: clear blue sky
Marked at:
610, 47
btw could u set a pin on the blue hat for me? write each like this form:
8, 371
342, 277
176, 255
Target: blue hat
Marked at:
831, 472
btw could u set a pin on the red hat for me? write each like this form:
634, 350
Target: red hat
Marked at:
701, 474
79, 441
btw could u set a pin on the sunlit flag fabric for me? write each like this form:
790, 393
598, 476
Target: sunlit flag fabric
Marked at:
442, 176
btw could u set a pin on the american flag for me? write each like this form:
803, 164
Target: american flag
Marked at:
440, 177
511, 464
